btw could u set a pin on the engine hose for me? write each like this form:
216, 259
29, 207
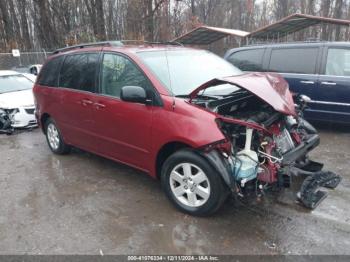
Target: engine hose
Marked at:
273, 159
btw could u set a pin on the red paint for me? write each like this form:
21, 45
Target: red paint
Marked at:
270, 172
135, 133
275, 129
243, 123
269, 87
130, 133
296, 137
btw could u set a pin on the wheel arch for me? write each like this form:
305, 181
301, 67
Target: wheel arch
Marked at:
43, 119
167, 150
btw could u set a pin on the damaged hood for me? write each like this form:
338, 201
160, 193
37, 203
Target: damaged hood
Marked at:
269, 87
17, 99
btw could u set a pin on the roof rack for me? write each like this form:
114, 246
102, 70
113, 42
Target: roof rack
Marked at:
308, 41
113, 43
127, 41
104, 43
164, 43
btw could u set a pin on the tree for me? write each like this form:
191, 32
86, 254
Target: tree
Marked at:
338, 11
96, 14
36, 24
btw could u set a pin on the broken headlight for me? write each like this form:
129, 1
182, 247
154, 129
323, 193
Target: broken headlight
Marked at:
11, 112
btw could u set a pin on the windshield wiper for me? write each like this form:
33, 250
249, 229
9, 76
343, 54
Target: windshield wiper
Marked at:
199, 96
236, 93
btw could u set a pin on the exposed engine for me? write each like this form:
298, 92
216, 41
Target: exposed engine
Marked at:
268, 147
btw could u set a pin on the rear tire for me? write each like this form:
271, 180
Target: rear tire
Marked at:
192, 184
54, 138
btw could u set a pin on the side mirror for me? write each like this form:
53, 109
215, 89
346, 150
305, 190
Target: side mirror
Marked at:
134, 94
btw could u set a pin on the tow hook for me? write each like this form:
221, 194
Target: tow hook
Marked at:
309, 194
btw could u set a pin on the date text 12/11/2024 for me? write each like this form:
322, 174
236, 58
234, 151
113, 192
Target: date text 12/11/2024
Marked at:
173, 258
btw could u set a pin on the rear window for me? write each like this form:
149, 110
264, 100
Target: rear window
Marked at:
79, 72
49, 73
248, 60
293, 60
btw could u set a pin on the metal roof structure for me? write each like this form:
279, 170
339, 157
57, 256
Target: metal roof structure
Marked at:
294, 23
205, 35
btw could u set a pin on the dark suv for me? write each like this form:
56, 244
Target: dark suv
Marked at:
320, 71
183, 115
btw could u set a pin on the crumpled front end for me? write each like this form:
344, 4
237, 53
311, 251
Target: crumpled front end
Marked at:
265, 147
22, 117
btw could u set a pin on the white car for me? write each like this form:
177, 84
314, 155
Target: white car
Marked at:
16, 98
30, 76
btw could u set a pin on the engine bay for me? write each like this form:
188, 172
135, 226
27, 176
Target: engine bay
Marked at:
267, 147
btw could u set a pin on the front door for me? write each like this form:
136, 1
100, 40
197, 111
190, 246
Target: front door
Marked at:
298, 65
123, 129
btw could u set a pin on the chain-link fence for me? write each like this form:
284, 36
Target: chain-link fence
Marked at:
21, 63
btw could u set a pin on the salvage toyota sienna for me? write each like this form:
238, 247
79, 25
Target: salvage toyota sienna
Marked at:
183, 115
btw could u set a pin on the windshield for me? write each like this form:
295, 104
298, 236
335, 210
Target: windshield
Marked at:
12, 83
188, 69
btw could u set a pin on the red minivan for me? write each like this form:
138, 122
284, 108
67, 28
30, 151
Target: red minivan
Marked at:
183, 115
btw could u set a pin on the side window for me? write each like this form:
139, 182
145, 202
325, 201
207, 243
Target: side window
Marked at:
50, 72
79, 71
118, 71
293, 60
248, 60
338, 62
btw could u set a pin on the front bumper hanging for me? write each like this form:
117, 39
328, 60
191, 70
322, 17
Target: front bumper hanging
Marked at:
310, 195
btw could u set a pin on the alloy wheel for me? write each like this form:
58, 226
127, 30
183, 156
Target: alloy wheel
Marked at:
53, 136
189, 184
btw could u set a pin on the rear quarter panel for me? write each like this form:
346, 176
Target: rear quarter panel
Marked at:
49, 101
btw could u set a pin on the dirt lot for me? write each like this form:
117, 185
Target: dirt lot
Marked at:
84, 204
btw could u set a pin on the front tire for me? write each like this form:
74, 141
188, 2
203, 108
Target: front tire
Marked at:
55, 139
192, 184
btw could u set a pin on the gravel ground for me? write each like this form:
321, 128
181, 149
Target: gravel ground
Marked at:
85, 204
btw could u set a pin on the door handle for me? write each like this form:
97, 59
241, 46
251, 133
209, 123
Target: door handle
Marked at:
86, 102
309, 82
99, 105
328, 83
